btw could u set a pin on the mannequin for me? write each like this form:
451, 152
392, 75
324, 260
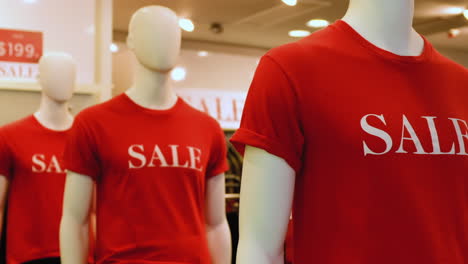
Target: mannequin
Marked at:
154, 37
387, 24
57, 79
57, 90
268, 182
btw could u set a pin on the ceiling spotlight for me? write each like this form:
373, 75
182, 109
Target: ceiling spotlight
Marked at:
454, 10
178, 74
290, 2
114, 48
202, 53
454, 32
465, 13
186, 24
30, 1
299, 33
318, 23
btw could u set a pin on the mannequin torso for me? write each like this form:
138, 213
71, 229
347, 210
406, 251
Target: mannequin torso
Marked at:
152, 114
387, 49
30, 150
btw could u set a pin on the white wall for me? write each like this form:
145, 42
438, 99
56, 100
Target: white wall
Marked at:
17, 104
67, 26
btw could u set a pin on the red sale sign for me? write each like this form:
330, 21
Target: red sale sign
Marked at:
20, 46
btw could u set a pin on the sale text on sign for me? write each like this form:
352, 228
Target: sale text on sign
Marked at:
225, 106
20, 52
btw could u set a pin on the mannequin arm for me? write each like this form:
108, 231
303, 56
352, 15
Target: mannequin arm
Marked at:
265, 206
217, 227
74, 231
92, 215
3, 197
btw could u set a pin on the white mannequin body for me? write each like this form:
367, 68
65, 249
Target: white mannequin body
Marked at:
268, 181
57, 78
154, 36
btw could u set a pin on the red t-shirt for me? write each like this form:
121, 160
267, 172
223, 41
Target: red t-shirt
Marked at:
366, 131
150, 168
31, 159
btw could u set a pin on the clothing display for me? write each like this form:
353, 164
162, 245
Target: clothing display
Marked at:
150, 169
355, 129
378, 143
31, 159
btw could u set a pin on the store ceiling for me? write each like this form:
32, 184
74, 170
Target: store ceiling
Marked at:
266, 23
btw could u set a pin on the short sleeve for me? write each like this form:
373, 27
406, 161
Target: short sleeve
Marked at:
6, 159
80, 152
217, 163
271, 120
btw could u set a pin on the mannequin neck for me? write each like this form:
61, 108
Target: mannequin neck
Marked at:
386, 24
152, 89
54, 115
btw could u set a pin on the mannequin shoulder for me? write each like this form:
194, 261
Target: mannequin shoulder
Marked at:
200, 117
451, 66
312, 49
18, 125
97, 111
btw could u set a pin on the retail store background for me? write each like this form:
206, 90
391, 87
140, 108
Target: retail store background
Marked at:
229, 58
250, 28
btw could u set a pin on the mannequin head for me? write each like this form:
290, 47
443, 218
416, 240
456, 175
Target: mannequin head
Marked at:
57, 74
154, 36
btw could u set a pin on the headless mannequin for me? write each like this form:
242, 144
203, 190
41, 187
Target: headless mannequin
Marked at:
57, 79
268, 180
155, 38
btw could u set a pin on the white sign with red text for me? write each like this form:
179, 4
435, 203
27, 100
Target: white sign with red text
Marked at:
224, 106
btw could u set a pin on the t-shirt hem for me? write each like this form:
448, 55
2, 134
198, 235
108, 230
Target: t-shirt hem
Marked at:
55, 254
82, 171
244, 137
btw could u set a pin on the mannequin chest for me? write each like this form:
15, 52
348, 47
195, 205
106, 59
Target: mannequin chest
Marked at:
38, 156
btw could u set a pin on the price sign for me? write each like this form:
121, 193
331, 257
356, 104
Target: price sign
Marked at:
20, 46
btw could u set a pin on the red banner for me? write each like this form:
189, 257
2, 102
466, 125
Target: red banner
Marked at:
20, 46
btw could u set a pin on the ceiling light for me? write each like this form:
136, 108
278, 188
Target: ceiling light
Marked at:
290, 2
202, 53
454, 10
30, 1
454, 32
178, 74
465, 13
186, 24
114, 48
299, 33
318, 23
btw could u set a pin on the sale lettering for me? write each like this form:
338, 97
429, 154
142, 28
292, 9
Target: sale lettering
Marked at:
171, 158
43, 164
409, 135
18, 71
223, 110
20, 46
